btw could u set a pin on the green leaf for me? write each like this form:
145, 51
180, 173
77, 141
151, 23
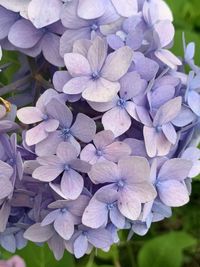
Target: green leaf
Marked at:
165, 250
37, 256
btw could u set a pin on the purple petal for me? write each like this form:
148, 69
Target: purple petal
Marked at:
51, 52
76, 85
132, 85
80, 246
194, 102
4, 215
24, 35
60, 78
100, 238
68, 39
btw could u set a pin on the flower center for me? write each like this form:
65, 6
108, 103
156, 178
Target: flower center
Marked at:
95, 76
66, 167
158, 129
94, 27
121, 103
63, 210
65, 133
120, 184
99, 152
45, 117
110, 206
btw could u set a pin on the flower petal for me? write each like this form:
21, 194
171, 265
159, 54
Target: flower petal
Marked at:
117, 64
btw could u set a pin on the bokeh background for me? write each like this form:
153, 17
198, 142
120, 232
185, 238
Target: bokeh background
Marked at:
174, 242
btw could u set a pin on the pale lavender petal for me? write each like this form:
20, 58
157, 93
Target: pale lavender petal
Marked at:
4, 215
168, 58
50, 218
64, 225
60, 112
134, 169
168, 111
49, 145
89, 154
44, 13
163, 145
77, 85
71, 184
129, 205
104, 172
103, 138
95, 215
173, 193
97, 54
47, 173
84, 128
101, 90
117, 64
170, 133
77, 65
175, 169
150, 141
38, 233
126, 9
117, 120
117, 150
87, 9
117, 218
30, 115
66, 152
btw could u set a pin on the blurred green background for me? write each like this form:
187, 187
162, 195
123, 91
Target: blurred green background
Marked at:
172, 243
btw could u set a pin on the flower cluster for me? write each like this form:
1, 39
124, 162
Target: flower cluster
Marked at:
112, 145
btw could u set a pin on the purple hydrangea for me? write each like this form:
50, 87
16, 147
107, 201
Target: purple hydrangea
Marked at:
108, 142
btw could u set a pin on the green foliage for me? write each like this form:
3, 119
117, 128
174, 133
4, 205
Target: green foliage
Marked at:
165, 250
41, 256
